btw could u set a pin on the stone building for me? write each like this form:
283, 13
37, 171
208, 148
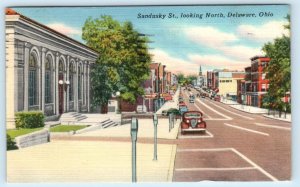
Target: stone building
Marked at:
45, 70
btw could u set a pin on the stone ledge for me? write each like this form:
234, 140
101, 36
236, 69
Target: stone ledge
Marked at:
34, 138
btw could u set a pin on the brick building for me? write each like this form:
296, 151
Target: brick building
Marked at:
255, 84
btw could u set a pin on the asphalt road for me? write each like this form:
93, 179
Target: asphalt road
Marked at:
237, 146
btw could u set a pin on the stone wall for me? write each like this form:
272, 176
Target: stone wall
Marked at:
34, 138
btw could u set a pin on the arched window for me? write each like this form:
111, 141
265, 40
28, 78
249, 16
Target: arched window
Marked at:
32, 78
79, 83
71, 79
48, 79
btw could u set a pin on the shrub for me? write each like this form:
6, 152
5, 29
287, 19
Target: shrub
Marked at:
31, 119
10, 144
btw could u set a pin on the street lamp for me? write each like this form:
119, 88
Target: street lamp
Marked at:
118, 100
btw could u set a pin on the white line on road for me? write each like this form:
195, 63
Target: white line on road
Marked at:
232, 112
236, 152
208, 149
210, 135
245, 129
214, 169
209, 117
254, 165
202, 111
227, 117
273, 126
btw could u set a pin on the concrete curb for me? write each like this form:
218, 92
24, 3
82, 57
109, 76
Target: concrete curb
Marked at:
281, 119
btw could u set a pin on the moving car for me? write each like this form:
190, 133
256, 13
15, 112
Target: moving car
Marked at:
192, 121
192, 99
183, 108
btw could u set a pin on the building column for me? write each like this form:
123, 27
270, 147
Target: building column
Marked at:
76, 107
43, 80
56, 84
26, 68
67, 79
88, 87
84, 90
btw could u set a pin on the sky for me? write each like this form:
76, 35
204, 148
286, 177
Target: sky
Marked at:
185, 41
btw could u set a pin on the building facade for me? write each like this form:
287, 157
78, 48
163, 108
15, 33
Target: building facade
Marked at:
256, 85
45, 70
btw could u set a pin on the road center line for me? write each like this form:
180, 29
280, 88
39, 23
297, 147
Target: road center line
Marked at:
209, 117
273, 126
245, 129
254, 165
227, 117
232, 112
214, 169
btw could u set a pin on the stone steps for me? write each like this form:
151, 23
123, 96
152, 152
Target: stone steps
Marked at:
71, 117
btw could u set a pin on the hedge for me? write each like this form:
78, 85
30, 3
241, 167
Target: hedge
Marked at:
31, 119
10, 144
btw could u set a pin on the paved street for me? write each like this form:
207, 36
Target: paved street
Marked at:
237, 146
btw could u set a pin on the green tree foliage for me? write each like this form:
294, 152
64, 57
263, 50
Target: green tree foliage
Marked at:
185, 80
278, 70
124, 60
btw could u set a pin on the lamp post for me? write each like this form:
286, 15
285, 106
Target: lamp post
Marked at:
118, 101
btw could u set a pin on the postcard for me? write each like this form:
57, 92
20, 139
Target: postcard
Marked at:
184, 93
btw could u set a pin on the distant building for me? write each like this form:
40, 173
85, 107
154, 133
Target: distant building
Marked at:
224, 82
201, 79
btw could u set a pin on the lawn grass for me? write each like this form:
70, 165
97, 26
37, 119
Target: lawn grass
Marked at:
66, 128
18, 132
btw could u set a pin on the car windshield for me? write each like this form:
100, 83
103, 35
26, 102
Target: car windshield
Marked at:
192, 115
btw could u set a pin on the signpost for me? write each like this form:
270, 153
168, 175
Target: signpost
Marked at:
133, 133
155, 122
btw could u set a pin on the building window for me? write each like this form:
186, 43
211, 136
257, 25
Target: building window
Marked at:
48, 80
71, 79
79, 83
32, 78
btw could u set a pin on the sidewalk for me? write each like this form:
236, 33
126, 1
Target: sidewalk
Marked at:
89, 161
146, 130
96, 161
256, 110
170, 104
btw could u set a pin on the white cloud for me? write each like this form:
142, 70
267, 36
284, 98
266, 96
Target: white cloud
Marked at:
64, 29
263, 33
218, 61
209, 36
222, 42
175, 65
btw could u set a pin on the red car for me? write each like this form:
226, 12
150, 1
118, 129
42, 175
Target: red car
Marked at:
192, 121
217, 98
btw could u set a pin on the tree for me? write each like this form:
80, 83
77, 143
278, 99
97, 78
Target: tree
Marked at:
123, 63
279, 68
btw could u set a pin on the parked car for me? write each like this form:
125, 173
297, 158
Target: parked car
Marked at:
192, 121
173, 111
183, 109
217, 98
